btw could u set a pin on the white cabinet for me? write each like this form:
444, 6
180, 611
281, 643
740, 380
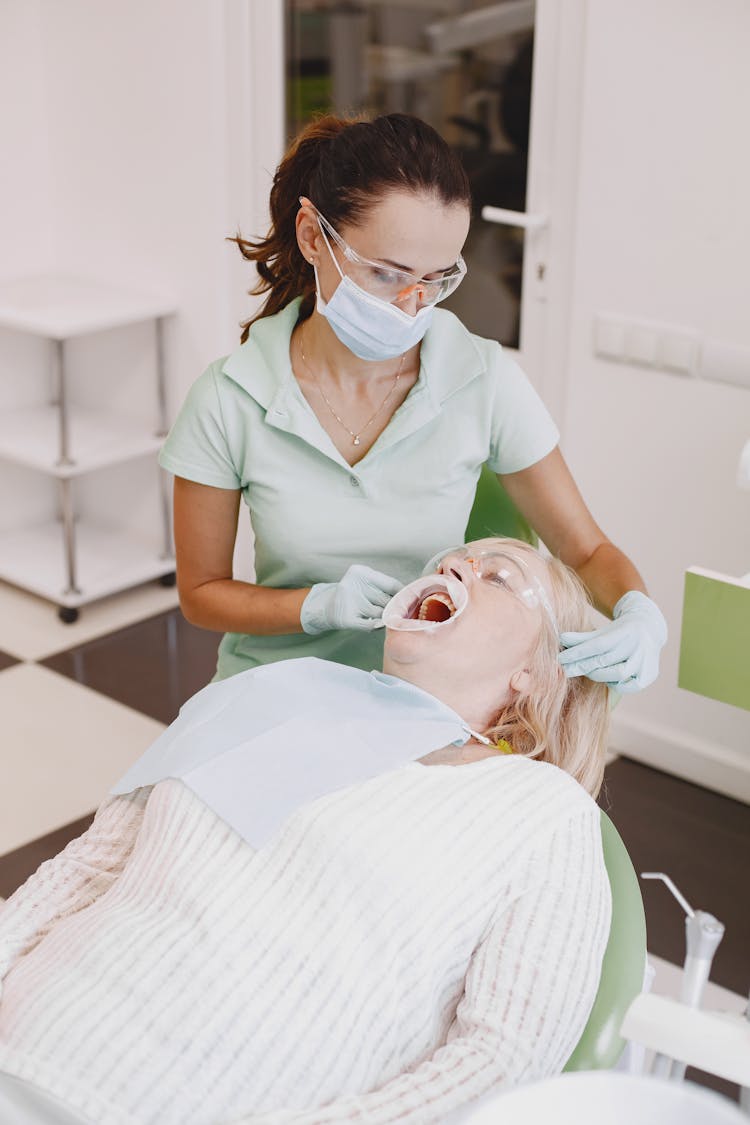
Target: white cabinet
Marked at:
71, 559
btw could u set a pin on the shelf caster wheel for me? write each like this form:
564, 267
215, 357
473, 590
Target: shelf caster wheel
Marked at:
67, 614
168, 579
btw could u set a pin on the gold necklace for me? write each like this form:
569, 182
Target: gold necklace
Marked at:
355, 437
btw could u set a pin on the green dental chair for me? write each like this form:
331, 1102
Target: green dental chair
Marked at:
600, 1046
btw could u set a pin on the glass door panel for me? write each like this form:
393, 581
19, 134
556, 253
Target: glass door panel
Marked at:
463, 66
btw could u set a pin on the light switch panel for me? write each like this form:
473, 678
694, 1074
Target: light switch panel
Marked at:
641, 344
609, 337
678, 352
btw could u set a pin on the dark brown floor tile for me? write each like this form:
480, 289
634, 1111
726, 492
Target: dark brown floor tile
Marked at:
152, 666
6, 660
16, 866
702, 841
728, 1089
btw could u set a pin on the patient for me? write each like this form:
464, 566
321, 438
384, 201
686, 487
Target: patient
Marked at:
396, 947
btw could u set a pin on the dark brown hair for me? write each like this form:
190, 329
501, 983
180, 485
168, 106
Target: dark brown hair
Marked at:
344, 165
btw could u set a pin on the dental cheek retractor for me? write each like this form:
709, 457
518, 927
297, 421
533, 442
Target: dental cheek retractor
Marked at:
426, 604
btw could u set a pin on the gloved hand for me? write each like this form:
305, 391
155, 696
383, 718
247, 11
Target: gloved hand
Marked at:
356, 602
624, 653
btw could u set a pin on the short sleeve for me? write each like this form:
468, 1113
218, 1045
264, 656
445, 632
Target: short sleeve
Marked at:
198, 447
523, 431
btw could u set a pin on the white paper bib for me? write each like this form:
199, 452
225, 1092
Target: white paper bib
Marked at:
259, 745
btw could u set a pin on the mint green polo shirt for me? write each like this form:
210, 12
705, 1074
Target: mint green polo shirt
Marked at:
246, 425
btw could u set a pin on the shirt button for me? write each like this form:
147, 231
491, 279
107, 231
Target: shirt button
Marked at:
354, 482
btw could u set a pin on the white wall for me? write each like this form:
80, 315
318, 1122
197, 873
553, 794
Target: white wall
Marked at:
25, 183
137, 107
663, 234
142, 134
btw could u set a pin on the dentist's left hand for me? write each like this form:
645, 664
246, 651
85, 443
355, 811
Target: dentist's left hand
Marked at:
356, 602
624, 653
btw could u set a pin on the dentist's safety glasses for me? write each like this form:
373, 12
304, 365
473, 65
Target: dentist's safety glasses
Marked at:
391, 284
426, 604
508, 570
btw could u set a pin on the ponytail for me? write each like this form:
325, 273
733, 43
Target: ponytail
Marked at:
343, 165
277, 257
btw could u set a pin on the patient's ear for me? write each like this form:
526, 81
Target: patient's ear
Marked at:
520, 681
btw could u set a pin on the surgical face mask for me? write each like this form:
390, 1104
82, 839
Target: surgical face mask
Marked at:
508, 570
370, 327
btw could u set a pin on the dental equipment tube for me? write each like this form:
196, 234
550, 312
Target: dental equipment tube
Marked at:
745, 1090
703, 934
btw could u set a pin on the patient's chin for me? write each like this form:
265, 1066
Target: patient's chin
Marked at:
402, 648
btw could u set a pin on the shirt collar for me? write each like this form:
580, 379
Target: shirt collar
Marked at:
261, 366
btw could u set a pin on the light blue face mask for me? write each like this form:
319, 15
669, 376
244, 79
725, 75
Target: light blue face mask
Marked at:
366, 325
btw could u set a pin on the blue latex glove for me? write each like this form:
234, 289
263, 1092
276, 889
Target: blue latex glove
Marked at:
356, 602
624, 653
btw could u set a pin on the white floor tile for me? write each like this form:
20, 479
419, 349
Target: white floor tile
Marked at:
63, 747
31, 630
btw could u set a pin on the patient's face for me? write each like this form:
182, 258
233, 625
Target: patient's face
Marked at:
492, 638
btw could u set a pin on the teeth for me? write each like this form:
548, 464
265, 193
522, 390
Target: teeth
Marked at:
436, 607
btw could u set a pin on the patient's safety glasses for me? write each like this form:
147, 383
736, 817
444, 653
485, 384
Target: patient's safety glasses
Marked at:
389, 283
508, 570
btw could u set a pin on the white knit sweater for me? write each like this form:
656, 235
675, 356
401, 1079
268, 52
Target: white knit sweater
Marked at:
397, 949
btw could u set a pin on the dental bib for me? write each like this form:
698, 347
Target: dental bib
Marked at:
258, 746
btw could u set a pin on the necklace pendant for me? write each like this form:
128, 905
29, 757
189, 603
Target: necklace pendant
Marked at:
356, 440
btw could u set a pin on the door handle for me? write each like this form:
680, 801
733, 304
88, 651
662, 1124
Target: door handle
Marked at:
514, 218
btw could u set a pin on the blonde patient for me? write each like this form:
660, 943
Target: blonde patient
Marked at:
395, 949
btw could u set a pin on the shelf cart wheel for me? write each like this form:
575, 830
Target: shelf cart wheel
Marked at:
67, 614
168, 579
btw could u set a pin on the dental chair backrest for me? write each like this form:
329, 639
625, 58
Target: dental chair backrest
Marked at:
494, 513
624, 963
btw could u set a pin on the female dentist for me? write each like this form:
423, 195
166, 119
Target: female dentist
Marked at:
356, 416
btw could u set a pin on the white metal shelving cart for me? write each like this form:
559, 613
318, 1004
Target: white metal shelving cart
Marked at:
72, 561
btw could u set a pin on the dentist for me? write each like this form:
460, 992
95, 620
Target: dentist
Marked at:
355, 417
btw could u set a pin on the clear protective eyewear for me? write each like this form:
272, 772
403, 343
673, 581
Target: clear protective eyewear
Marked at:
391, 284
506, 569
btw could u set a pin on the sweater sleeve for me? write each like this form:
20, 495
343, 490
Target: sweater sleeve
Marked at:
528, 993
68, 882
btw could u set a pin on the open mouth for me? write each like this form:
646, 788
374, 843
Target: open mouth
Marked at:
426, 604
434, 607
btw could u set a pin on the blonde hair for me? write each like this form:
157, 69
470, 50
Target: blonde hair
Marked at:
562, 721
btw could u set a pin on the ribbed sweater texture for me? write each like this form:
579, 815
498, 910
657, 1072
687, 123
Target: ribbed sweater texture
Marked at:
399, 947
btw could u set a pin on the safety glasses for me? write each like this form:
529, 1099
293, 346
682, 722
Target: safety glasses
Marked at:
390, 284
508, 570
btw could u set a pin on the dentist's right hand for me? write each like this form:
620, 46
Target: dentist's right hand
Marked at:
357, 601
